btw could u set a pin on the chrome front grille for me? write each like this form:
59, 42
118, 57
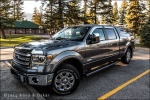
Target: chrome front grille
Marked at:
22, 58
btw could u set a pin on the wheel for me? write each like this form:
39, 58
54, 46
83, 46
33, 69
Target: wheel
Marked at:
66, 80
127, 57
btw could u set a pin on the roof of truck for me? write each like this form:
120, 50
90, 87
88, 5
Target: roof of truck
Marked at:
92, 25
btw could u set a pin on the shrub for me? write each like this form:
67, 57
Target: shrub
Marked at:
145, 34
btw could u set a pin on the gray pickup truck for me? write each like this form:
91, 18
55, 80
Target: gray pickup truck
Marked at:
71, 54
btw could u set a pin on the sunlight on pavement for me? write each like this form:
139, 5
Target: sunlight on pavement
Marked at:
6, 54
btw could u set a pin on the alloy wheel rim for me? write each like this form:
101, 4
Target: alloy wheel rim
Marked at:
128, 56
64, 81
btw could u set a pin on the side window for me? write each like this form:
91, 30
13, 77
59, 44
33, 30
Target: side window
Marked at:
111, 33
101, 33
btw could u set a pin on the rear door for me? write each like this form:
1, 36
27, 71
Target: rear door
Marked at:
112, 42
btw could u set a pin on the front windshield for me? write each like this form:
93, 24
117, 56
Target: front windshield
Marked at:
72, 33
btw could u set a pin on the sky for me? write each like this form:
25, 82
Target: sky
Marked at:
29, 6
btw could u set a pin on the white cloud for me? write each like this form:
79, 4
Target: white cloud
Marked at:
30, 5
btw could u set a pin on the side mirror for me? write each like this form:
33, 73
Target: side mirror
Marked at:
95, 38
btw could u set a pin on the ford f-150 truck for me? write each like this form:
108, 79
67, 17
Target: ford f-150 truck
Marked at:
72, 53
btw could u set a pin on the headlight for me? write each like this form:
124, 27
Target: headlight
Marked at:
40, 59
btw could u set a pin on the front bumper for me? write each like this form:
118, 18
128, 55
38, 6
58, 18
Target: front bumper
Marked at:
32, 79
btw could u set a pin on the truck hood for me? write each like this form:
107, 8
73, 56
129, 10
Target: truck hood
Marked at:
48, 44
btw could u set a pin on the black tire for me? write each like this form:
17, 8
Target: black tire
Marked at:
68, 74
125, 59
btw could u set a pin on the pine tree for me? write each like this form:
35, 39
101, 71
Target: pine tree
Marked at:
37, 17
122, 12
94, 13
147, 5
115, 13
106, 12
109, 14
84, 15
49, 16
5, 13
55, 15
145, 34
103, 19
59, 15
72, 12
34, 17
134, 16
91, 17
142, 15
18, 14
148, 8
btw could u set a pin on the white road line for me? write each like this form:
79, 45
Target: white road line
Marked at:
31, 89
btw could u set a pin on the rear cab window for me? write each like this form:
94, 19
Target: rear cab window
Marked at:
122, 31
111, 34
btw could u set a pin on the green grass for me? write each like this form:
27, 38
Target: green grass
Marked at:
15, 39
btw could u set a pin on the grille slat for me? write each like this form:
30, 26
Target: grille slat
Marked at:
20, 62
22, 58
19, 57
23, 54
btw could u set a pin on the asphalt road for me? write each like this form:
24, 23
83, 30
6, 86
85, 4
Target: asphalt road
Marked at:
99, 84
10, 88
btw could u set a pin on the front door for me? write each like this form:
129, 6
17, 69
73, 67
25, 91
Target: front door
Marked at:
96, 53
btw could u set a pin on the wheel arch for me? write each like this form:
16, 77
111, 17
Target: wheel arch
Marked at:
69, 57
75, 62
129, 47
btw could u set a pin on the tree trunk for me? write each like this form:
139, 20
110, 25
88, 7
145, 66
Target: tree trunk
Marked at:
95, 11
61, 13
3, 36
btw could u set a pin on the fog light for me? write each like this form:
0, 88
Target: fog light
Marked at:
35, 80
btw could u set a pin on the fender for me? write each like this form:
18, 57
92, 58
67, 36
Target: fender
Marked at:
62, 57
127, 46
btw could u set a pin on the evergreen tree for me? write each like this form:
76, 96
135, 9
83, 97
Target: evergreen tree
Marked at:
91, 17
59, 15
5, 13
103, 19
134, 16
122, 12
84, 16
142, 15
72, 13
109, 14
147, 5
148, 8
49, 16
95, 7
37, 17
115, 13
34, 17
106, 12
18, 14
145, 34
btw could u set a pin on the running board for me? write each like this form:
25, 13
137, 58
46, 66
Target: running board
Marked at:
101, 68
